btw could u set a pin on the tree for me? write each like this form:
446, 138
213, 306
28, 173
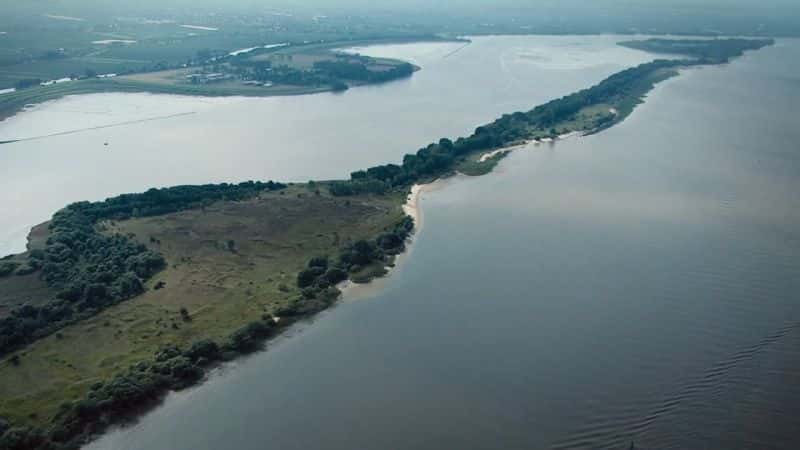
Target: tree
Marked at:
339, 86
306, 278
7, 268
27, 83
318, 261
335, 275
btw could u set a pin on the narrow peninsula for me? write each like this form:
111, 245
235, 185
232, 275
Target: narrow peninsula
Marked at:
117, 302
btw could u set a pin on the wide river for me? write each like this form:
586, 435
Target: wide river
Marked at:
639, 285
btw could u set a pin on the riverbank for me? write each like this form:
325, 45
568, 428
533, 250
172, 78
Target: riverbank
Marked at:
353, 291
216, 281
594, 225
505, 150
221, 270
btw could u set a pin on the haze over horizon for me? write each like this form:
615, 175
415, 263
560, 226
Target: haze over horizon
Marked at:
780, 17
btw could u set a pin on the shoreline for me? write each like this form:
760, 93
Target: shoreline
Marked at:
411, 208
352, 291
562, 137
16, 102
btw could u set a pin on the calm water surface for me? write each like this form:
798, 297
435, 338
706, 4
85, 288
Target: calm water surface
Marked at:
637, 285
169, 140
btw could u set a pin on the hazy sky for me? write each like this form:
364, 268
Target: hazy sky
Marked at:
783, 15
762, 5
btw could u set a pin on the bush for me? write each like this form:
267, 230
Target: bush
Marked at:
205, 348
7, 268
306, 277
21, 438
335, 275
27, 268
27, 83
319, 261
246, 338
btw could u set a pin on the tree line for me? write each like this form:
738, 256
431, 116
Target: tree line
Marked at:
173, 368
91, 271
332, 73
439, 158
138, 387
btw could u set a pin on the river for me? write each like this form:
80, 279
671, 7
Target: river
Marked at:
639, 285
73, 151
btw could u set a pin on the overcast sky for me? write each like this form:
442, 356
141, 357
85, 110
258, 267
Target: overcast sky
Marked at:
762, 5
785, 12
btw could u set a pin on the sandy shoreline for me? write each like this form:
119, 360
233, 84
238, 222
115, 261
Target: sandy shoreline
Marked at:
510, 148
525, 144
411, 206
358, 291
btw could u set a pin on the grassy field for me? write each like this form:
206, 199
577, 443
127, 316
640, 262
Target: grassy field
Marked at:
29, 289
585, 120
228, 264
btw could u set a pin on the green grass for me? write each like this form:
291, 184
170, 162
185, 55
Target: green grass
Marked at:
369, 273
473, 166
18, 290
274, 236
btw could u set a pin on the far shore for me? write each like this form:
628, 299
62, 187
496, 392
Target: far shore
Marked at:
14, 102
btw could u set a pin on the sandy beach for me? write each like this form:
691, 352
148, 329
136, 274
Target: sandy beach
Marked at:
511, 148
411, 206
359, 291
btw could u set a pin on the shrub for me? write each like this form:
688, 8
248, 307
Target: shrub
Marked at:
205, 348
319, 261
7, 268
335, 275
247, 337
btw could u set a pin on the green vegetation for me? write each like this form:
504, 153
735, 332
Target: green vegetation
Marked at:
588, 110
307, 66
228, 263
90, 271
707, 51
289, 70
37, 42
250, 74
474, 166
216, 269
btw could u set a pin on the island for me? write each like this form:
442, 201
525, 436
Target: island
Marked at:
117, 302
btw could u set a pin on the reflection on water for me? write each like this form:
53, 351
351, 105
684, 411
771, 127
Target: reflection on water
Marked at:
636, 285
287, 138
